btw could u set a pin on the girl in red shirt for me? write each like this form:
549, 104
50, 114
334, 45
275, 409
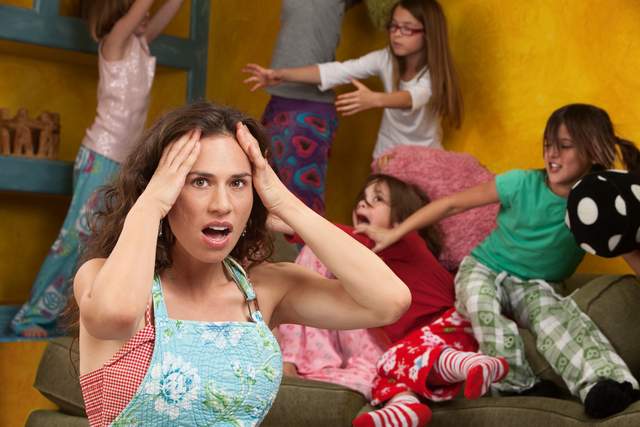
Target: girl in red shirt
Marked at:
430, 350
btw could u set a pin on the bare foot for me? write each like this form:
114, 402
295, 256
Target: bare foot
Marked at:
34, 332
289, 369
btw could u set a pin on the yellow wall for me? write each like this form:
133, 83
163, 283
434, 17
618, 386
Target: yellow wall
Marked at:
18, 365
516, 64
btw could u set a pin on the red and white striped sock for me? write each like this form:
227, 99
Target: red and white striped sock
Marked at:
478, 370
403, 410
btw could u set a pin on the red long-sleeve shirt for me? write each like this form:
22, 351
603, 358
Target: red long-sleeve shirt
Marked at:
431, 285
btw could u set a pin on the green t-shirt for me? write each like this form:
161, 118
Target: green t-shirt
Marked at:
531, 240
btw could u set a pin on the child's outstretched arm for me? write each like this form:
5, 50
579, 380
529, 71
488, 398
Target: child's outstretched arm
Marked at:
264, 77
364, 98
326, 75
115, 43
474, 197
161, 19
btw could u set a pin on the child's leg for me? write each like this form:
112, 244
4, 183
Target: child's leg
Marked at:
481, 300
50, 290
571, 342
477, 370
301, 134
403, 409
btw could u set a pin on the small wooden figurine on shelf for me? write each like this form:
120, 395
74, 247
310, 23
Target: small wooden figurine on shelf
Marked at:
24, 136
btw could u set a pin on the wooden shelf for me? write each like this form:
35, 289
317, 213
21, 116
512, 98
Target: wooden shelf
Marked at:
36, 175
42, 25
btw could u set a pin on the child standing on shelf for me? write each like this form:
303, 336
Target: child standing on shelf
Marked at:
123, 29
416, 69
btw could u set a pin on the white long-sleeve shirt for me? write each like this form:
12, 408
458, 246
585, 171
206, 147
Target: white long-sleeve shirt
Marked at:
417, 125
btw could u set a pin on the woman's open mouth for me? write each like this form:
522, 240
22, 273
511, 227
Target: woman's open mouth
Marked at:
216, 236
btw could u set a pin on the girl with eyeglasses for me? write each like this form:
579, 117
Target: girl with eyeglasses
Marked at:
421, 86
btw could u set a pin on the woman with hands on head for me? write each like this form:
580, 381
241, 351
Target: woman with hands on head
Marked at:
168, 316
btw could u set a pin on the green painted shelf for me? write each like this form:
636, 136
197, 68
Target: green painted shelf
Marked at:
35, 175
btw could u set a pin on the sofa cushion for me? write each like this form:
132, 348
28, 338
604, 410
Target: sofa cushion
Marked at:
46, 418
310, 403
57, 377
524, 412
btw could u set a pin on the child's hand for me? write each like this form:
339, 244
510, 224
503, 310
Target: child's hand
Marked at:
167, 181
361, 99
261, 77
274, 223
271, 190
381, 163
383, 237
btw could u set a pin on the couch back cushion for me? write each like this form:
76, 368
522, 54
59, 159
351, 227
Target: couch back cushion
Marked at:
613, 302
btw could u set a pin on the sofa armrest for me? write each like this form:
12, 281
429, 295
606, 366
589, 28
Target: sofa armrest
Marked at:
57, 377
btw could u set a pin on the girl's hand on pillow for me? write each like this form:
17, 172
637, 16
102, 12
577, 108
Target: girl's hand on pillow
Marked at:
383, 237
381, 163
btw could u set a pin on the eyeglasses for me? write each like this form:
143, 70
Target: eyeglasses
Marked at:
405, 31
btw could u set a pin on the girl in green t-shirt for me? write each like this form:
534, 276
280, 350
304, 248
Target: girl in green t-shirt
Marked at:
511, 274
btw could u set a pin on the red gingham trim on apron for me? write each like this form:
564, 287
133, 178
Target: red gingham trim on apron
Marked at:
108, 390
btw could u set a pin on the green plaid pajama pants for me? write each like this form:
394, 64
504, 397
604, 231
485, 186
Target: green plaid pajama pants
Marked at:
566, 337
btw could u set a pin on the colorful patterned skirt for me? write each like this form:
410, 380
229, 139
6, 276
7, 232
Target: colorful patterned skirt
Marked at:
52, 286
301, 134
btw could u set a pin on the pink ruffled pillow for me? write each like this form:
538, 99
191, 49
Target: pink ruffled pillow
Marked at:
440, 173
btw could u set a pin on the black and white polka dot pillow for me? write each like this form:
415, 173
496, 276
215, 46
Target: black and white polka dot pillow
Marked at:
603, 212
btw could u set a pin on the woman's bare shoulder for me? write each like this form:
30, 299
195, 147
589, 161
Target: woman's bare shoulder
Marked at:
268, 273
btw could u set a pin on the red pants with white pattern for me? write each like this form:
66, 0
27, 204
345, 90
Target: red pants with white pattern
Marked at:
406, 365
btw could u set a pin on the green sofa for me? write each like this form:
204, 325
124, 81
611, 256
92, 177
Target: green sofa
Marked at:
612, 301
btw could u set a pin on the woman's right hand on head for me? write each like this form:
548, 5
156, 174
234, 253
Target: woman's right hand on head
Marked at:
383, 237
273, 193
175, 163
261, 77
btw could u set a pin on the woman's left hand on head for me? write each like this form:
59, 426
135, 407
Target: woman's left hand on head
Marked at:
361, 99
271, 190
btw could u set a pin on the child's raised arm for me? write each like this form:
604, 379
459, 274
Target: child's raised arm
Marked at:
115, 43
264, 77
474, 197
161, 19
